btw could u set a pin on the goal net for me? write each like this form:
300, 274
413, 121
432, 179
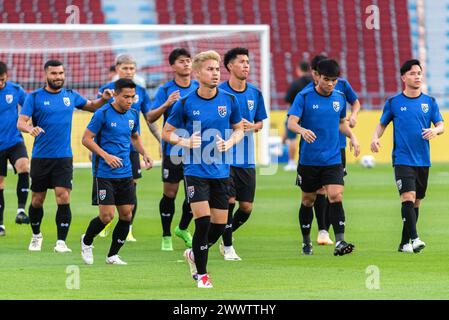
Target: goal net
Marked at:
88, 51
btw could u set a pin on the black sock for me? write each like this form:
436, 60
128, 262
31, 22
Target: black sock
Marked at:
320, 211
417, 214
94, 228
166, 210
337, 217
135, 205
327, 219
305, 222
240, 217
35, 215
186, 216
215, 232
23, 183
405, 233
227, 234
199, 243
409, 215
2, 206
119, 234
63, 219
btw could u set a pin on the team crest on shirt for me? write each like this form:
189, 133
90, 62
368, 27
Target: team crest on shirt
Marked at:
222, 111
66, 101
250, 105
131, 124
424, 107
191, 191
136, 98
9, 98
336, 105
102, 194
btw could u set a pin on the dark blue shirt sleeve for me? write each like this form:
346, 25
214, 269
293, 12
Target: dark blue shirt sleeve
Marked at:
22, 96
261, 113
343, 109
236, 117
96, 122
350, 94
387, 114
146, 103
80, 101
159, 98
436, 115
297, 107
28, 106
176, 115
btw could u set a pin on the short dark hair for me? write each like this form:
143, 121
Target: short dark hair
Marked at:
123, 83
52, 63
329, 68
315, 60
3, 68
304, 66
232, 54
176, 53
407, 66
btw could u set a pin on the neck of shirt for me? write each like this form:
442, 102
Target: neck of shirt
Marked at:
412, 94
117, 109
182, 82
206, 93
49, 90
237, 85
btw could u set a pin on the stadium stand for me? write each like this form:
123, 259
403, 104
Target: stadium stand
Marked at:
369, 58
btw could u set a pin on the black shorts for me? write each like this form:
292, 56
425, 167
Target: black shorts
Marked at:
48, 173
213, 190
113, 191
12, 154
412, 179
172, 169
313, 178
135, 164
343, 160
242, 184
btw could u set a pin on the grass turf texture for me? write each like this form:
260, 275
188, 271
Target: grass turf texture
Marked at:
272, 267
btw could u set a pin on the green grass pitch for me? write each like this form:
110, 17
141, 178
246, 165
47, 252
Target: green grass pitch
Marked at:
272, 267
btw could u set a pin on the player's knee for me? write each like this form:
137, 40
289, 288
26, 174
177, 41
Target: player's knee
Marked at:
106, 217
62, 197
408, 196
231, 200
335, 197
22, 165
2, 183
417, 203
246, 207
126, 216
308, 200
37, 201
321, 191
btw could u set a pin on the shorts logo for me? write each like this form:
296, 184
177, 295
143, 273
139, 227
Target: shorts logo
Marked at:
165, 173
399, 184
336, 105
66, 101
250, 105
102, 194
299, 179
131, 124
424, 107
136, 98
191, 191
222, 111
8, 98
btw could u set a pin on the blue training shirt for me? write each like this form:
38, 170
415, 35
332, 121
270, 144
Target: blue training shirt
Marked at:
410, 116
350, 95
11, 96
322, 115
142, 102
162, 95
252, 108
113, 132
214, 116
53, 112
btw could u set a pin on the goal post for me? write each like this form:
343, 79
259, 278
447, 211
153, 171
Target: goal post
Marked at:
88, 50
